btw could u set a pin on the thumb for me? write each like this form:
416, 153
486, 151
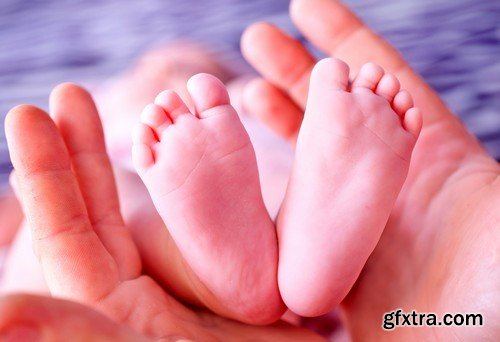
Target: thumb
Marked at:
34, 318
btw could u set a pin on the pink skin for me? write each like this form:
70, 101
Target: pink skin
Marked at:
165, 67
437, 251
11, 216
439, 247
202, 175
161, 257
179, 158
352, 157
69, 198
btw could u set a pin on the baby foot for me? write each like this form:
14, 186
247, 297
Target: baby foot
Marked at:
202, 175
353, 154
166, 67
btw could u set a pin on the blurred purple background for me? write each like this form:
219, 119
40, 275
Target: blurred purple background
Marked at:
453, 44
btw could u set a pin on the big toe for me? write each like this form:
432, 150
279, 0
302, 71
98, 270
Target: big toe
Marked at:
330, 73
207, 92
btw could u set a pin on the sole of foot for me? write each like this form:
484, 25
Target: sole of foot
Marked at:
352, 158
201, 172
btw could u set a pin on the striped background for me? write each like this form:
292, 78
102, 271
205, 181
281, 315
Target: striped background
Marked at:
454, 44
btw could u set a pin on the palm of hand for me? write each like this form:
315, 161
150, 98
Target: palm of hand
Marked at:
434, 253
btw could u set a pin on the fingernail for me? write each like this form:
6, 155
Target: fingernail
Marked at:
21, 332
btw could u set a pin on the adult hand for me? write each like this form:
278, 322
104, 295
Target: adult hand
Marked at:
70, 201
439, 251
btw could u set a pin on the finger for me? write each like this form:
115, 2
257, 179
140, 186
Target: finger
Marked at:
333, 28
280, 59
339, 29
14, 185
11, 216
75, 114
286, 65
273, 107
69, 251
34, 318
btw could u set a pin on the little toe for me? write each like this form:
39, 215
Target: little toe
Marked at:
143, 138
207, 92
412, 121
388, 87
368, 78
143, 134
155, 117
172, 104
402, 102
332, 73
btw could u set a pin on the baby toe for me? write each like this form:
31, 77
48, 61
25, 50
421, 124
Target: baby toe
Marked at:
143, 134
207, 92
155, 117
172, 104
413, 121
388, 87
143, 138
402, 102
330, 73
368, 77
